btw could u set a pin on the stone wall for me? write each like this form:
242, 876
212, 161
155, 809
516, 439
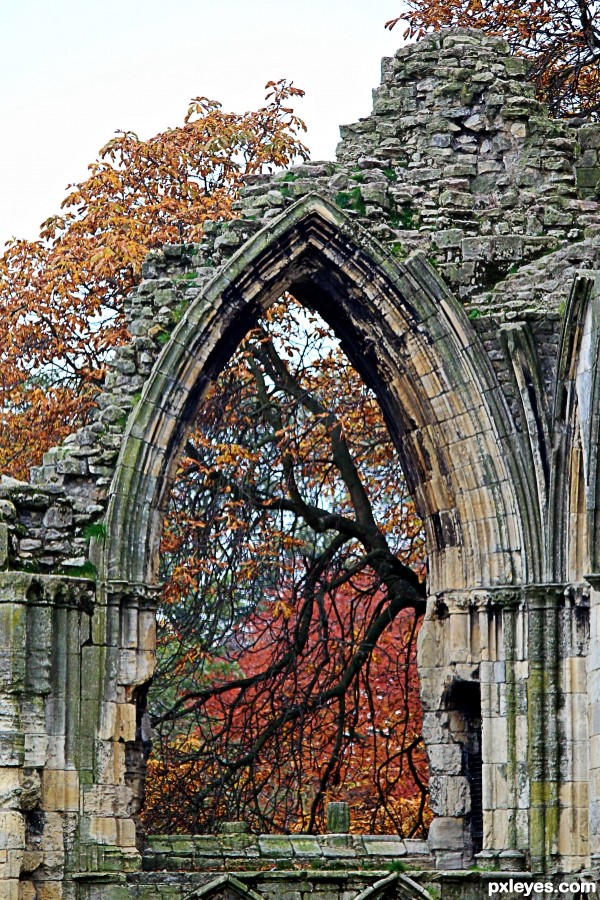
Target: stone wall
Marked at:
454, 245
332, 884
588, 167
237, 850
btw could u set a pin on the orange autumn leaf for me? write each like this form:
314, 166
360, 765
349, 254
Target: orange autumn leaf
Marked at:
61, 296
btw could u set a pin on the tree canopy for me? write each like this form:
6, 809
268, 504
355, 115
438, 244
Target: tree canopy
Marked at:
294, 564
561, 38
61, 296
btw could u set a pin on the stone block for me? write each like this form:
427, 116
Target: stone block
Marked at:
58, 517
12, 830
27, 891
457, 199
338, 818
32, 859
110, 762
12, 748
459, 637
445, 759
475, 248
50, 890
206, 845
384, 845
275, 846
9, 889
449, 861
92, 670
576, 674
54, 832
495, 829
102, 829
147, 630
12, 631
238, 843
435, 728
449, 795
10, 788
125, 722
589, 136
13, 863
431, 651
446, 833
495, 740
305, 845
416, 847
106, 799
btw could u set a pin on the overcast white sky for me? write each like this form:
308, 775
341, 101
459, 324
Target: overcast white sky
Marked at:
73, 72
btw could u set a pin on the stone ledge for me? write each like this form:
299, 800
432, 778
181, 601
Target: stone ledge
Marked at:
210, 852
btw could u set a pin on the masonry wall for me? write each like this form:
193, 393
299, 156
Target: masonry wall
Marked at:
470, 193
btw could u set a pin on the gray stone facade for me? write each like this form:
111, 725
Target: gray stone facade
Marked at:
454, 246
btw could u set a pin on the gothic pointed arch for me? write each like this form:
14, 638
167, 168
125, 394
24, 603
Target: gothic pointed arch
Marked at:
575, 498
396, 885
411, 342
225, 887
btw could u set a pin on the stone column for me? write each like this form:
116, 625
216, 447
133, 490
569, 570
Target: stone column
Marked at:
115, 667
503, 672
574, 728
447, 656
543, 709
473, 663
593, 691
13, 617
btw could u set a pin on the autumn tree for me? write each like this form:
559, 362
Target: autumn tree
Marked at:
302, 666
560, 38
61, 296
295, 563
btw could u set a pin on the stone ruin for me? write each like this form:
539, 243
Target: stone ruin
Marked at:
454, 246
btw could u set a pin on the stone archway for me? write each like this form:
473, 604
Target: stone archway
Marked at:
441, 246
576, 536
224, 887
415, 347
407, 337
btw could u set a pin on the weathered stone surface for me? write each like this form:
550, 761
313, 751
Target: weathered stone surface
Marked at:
338, 818
458, 232
446, 834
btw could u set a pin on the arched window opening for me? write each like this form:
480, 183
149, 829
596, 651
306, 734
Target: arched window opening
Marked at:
294, 567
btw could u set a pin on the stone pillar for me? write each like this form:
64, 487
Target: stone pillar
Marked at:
338, 818
65, 806
543, 708
503, 673
593, 690
447, 655
477, 686
44, 621
116, 668
13, 618
573, 832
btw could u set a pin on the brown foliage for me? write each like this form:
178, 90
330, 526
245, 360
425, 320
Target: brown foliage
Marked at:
293, 552
61, 297
561, 38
